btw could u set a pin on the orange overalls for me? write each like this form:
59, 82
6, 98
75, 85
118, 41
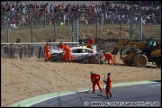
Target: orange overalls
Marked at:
47, 52
60, 46
109, 86
91, 41
67, 53
108, 57
95, 78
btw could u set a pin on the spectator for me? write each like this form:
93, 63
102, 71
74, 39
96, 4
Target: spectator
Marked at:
151, 15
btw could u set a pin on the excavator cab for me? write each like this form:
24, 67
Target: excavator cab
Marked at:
153, 43
153, 51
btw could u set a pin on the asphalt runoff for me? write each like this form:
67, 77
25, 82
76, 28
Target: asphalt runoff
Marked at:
144, 93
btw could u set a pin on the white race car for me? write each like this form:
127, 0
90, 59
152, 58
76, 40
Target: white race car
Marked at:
80, 54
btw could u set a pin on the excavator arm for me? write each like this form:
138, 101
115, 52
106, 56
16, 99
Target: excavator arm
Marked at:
122, 44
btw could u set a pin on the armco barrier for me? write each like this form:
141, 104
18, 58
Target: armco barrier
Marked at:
21, 51
15, 51
36, 50
28, 50
40, 51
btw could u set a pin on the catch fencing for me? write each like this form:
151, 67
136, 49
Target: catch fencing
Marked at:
28, 25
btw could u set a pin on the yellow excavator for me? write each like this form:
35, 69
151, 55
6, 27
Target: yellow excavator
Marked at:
139, 53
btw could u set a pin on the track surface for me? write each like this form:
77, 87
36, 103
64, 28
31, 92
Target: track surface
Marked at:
128, 95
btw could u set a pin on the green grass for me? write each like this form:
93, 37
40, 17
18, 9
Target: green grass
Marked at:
63, 33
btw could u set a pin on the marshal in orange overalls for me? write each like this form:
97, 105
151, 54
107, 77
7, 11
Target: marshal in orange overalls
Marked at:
89, 46
47, 52
60, 46
108, 86
95, 78
91, 41
67, 53
108, 57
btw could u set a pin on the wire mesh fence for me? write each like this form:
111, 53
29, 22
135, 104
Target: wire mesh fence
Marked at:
72, 24
98, 21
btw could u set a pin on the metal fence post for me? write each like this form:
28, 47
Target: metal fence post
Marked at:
7, 30
120, 28
77, 23
54, 23
141, 20
44, 17
96, 25
32, 30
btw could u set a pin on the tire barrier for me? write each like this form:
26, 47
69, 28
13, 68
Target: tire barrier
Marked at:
23, 52
2, 51
15, 51
5, 52
10, 51
41, 52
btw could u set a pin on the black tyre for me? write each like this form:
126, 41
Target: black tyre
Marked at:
127, 62
94, 60
126, 52
140, 60
52, 59
158, 63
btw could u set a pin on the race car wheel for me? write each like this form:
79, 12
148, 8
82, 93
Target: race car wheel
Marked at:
94, 60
